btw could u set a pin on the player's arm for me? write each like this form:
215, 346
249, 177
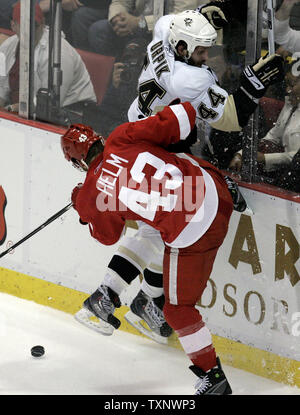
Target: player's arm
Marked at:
172, 124
107, 228
238, 107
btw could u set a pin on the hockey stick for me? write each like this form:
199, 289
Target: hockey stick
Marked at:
270, 21
57, 215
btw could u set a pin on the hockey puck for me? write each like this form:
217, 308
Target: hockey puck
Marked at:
37, 351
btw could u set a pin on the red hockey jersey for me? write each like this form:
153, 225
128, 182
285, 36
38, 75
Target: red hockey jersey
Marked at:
135, 178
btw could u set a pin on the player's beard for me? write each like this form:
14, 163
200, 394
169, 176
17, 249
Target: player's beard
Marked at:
193, 63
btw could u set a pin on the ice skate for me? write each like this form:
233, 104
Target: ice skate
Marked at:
212, 382
98, 309
147, 317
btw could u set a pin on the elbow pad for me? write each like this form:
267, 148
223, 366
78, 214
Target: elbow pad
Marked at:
245, 106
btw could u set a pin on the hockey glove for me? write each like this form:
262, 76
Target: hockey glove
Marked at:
184, 146
82, 223
215, 12
74, 194
74, 197
255, 79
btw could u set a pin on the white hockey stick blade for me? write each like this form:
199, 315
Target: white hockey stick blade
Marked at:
136, 322
88, 319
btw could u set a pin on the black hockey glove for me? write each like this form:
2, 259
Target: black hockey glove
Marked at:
82, 223
192, 137
269, 70
239, 203
216, 12
184, 146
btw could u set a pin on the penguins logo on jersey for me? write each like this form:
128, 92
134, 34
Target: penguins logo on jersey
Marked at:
188, 22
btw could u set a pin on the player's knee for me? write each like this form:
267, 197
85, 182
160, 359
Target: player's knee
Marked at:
181, 316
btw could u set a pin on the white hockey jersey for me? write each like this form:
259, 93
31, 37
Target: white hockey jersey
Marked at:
164, 79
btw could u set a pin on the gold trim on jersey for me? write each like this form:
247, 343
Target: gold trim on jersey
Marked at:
133, 256
155, 268
229, 120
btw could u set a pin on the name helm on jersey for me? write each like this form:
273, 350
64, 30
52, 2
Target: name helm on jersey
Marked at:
76, 143
194, 29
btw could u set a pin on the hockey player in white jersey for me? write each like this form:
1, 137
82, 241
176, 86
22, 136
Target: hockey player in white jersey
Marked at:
172, 65
175, 68
175, 71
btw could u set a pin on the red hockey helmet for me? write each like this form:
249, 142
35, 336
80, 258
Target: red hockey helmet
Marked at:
76, 143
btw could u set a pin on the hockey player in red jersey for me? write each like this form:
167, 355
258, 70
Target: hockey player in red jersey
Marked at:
185, 198
175, 70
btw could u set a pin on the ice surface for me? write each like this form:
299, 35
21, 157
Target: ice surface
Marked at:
79, 361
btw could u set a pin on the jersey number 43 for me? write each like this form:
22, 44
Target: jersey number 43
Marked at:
147, 204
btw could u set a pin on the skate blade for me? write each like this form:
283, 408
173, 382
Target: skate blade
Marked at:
136, 322
88, 319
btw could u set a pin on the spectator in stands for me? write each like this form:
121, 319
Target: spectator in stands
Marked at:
220, 147
295, 17
6, 7
279, 155
127, 21
122, 21
68, 6
84, 15
122, 90
285, 36
5, 13
76, 90
178, 6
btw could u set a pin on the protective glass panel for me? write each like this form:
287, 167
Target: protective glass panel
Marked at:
279, 127
88, 60
102, 52
227, 59
16, 35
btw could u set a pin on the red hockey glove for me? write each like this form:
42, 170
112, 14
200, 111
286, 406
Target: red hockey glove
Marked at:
74, 195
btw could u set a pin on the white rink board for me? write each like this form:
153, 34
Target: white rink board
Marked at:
255, 309
38, 182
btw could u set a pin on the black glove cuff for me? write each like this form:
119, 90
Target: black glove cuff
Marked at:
250, 82
244, 105
82, 223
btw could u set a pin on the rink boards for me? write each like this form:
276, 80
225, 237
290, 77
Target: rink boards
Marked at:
252, 301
